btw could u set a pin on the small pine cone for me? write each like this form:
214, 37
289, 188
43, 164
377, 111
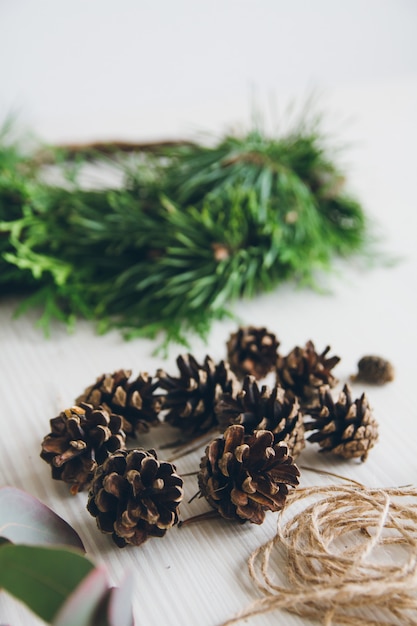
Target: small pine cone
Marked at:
81, 438
374, 370
242, 476
133, 496
304, 371
135, 400
276, 410
252, 351
190, 399
346, 427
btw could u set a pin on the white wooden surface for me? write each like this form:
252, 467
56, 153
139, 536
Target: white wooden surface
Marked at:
198, 575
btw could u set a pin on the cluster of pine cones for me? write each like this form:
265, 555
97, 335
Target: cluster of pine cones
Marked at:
245, 471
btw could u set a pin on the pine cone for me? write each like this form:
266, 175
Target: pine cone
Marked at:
82, 437
242, 476
276, 410
135, 400
190, 399
133, 496
304, 371
374, 370
345, 427
252, 351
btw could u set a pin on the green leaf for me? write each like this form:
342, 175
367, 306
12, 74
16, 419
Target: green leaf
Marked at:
42, 578
26, 520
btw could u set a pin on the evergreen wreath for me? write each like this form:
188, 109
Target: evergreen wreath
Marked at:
189, 229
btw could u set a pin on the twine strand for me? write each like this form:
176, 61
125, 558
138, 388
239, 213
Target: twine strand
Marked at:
337, 565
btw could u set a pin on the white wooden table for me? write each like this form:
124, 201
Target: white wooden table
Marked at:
198, 574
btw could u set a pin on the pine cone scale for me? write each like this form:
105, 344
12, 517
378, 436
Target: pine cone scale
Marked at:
239, 498
114, 485
248, 485
286, 474
265, 500
235, 436
69, 454
105, 500
57, 445
105, 523
263, 440
148, 470
251, 513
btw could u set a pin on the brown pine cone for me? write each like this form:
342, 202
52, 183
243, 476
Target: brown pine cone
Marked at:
276, 410
304, 371
133, 496
242, 476
81, 438
191, 398
374, 370
253, 351
346, 427
134, 400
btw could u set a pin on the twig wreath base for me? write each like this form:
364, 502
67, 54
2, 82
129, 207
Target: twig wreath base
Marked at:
334, 568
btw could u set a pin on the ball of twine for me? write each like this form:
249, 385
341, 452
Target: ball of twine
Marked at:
340, 565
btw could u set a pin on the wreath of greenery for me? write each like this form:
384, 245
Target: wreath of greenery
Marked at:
188, 228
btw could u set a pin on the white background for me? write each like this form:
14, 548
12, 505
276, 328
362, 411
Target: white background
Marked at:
84, 70
100, 68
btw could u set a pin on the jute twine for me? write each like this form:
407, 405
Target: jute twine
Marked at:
349, 554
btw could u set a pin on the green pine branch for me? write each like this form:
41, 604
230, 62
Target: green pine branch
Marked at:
189, 231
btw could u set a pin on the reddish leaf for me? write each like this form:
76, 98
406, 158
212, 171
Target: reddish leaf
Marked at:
119, 610
26, 520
